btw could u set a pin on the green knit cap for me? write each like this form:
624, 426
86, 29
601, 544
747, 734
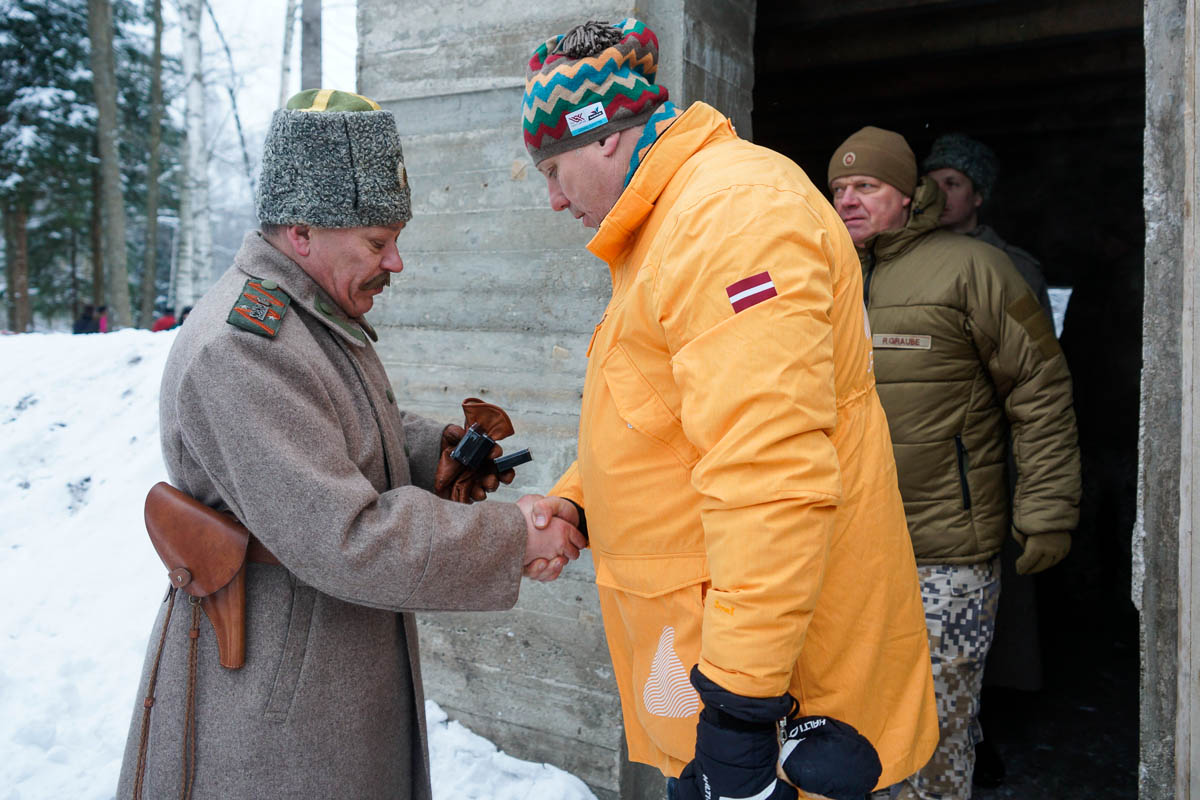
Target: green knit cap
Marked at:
878, 153
333, 159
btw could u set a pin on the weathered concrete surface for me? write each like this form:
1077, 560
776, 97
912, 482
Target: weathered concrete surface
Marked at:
498, 300
1156, 546
718, 58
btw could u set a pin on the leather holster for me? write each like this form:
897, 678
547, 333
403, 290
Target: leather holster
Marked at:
205, 552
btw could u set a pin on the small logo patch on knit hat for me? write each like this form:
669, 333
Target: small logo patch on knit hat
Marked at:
586, 118
848, 159
401, 174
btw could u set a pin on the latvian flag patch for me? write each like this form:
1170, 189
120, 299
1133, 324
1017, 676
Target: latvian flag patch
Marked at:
750, 291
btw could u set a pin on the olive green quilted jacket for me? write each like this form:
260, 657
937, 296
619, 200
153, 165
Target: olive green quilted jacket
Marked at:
964, 353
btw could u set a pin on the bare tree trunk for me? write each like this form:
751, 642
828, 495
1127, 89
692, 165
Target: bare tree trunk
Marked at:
285, 74
150, 270
16, 231
96, 237
74, 275
195, 269
310, 45
181, 247
237, 117
104, 77
9, 258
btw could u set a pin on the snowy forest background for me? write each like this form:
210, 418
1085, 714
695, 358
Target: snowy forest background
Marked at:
115, 115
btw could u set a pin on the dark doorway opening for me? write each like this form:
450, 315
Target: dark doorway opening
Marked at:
1057, 90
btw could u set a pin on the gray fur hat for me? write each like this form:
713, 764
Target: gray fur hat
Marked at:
333, 160
969, 156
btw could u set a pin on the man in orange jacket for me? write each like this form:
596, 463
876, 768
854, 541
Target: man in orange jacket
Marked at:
734, 472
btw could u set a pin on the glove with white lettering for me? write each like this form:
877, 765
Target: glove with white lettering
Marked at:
828, 757
737, 747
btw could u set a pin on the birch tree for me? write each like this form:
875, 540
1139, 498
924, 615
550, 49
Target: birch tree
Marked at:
232, 87
310, 45
285, 74
104, 78
196, 257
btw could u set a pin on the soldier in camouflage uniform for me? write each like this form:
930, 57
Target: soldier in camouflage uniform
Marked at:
966, 170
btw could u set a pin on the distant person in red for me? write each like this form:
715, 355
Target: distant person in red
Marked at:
164, 323
102, 315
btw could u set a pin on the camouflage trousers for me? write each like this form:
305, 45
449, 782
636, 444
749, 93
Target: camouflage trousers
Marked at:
960, 613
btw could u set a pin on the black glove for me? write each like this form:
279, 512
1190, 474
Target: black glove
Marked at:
825, 756
737, 747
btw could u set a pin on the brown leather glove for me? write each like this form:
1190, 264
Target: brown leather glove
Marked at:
453, 481
1042, 550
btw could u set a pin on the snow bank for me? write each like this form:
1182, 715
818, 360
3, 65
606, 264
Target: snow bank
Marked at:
80, 584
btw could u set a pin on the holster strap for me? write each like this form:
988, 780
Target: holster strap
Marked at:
205, 552
257, 552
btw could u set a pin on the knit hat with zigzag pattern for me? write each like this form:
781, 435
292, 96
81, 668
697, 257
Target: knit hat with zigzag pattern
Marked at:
593, 80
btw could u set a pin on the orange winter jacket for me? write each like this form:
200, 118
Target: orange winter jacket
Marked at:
734, 461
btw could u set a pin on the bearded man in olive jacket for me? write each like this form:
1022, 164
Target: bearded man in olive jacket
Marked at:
275, 407
963, 354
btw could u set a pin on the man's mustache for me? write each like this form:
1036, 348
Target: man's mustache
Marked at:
378, 282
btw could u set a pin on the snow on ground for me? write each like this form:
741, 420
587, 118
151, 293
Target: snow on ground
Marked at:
80, 583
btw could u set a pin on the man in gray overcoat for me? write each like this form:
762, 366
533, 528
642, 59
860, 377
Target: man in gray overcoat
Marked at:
276, 408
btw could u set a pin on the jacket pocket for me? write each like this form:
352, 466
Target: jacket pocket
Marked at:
643, 409
650, 576
291, 660
657, 605
963, 466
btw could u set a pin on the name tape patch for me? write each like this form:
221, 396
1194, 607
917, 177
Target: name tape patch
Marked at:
586, 118
750, 291
902, 341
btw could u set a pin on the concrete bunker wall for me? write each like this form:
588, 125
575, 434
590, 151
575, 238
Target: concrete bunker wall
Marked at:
498, 300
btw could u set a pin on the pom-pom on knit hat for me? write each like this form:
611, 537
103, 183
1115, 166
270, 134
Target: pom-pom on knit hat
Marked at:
969, 156
879, 154
333, 160
591, 81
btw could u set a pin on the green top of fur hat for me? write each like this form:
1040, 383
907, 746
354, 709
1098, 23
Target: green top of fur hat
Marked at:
330, 100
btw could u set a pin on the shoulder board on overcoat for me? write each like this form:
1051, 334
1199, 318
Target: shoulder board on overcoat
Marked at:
259, 307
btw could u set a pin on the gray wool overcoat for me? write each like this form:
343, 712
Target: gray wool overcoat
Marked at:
300, 437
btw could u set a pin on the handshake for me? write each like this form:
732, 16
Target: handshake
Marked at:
552, 535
